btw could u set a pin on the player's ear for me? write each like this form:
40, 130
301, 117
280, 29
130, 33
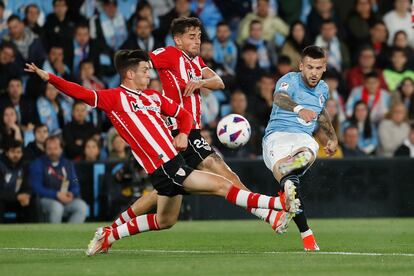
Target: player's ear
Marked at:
300, 65
177, 40
129, 74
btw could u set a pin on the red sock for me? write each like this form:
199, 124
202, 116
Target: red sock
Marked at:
124, 217
252, 200
136, 225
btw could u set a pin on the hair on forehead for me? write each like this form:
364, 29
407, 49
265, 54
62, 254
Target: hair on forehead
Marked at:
181, 25
314, 52
125, 60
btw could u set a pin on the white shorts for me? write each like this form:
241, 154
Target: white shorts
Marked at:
279, 145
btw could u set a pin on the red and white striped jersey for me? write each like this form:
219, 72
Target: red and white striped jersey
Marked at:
136, 115
176, 69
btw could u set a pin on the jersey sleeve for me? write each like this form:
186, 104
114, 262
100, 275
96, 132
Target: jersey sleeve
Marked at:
161, 58
201, 62
168, 106
284, 85
105, 99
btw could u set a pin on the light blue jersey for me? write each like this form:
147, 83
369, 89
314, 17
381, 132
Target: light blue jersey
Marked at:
310, 98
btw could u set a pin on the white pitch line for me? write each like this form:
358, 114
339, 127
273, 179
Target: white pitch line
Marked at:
209, 251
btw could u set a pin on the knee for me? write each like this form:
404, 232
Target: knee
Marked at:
81, 206
166, 223
223, 186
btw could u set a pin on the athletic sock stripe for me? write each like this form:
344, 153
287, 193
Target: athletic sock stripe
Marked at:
142, 223
278, 215
125, 216
156, 222
263, 201
122, 219
151, 222
232, 194
132, 227
115, 233
131, 213
242, 199
271, 203
269, 215
253, 200
272, 217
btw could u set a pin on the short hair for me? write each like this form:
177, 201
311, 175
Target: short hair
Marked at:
255, 21
249, 47
14, 78
55, 1
398, 49
313, 51
2, 4
125, 60
54, 138
76, 103
81, 25
13, 17
26, 10
283, 59
349, 127
372, 74
222, 23
86, 61
181, 25
328, 21
13, 144
38, 126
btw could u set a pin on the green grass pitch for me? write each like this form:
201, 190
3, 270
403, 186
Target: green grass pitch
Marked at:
386, 246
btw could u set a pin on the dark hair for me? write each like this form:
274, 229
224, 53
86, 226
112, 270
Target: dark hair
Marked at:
255, 21
86, 60
77, 103
372, 74
12, 144
249, 47
314, 52
299, 46
127, 59
283, 59
397, 34
331, 74
349, 127
222, 23
14, 78
398, 49
328, 21
55, 1
54, 137
367, 132
13, 17
2, 4
37, 126
26, 9
267, 76
81, 25
181, 25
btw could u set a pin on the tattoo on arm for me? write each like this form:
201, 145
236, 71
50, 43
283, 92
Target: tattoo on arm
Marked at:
326, 125
284, 101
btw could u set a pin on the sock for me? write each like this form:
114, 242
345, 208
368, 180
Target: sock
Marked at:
252, 200
301, 221
306, 233
136, 225
124, 217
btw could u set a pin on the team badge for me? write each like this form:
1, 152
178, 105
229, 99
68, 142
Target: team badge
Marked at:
321, 100
284, 86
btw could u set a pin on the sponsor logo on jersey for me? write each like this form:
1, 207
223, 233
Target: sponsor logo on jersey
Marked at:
135, 107
284, 86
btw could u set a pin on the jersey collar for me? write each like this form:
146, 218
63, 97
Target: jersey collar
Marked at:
136, 92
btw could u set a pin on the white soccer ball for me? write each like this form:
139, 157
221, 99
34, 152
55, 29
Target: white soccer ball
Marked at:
233, 131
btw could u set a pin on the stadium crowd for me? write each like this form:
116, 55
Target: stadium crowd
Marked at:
249, 43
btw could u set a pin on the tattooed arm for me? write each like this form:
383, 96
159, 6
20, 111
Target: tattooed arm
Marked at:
285, 102
326, 126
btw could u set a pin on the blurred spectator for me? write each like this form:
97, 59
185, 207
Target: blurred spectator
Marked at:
395, 73
9, 128
252, 148
350, 143
210, 109
87, 76
406, 95
407, 147
83, 47
18, 7
31, 18
28, 44
8, 67
143, 10
26, 116
265, 49
225, 49
248, 71
399, 19
368, 135
208, 13
55, 62
91, 150
321, 138
54, 180
117, 148
393, 130
127, 7
274, 28
401, 41
296, 41
261, 103
161, 7
359, 21
331, 78
377, 99
338, 54
322, 10
283, 66
78, 131
155, 84
109, 26
334, 115
366, 64
3, 19
59, 28
291, 11
141, 37
36, 148
88, 8
53, 110
378, 41
15, 188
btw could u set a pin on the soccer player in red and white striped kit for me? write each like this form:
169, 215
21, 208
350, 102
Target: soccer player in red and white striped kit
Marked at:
135, 112
183, 73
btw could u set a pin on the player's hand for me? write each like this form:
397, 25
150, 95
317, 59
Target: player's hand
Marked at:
331, 147
192, 86
64, 197
181, 141
24, 199
32, 68
307, 115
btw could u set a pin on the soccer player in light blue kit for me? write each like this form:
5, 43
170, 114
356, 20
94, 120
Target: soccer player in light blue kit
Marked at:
298, 109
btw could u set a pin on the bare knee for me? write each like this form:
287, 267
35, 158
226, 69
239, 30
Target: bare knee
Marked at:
215, 164
166, 222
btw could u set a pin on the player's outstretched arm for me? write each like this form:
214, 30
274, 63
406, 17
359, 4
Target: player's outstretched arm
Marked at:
326, 125
285, 102
71, 89
210, 81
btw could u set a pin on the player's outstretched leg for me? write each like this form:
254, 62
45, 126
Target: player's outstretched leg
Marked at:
168, 209
215, 164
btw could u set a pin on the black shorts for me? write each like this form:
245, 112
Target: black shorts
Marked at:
198, 149
168, 179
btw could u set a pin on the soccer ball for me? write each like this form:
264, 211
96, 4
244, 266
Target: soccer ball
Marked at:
233, 131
